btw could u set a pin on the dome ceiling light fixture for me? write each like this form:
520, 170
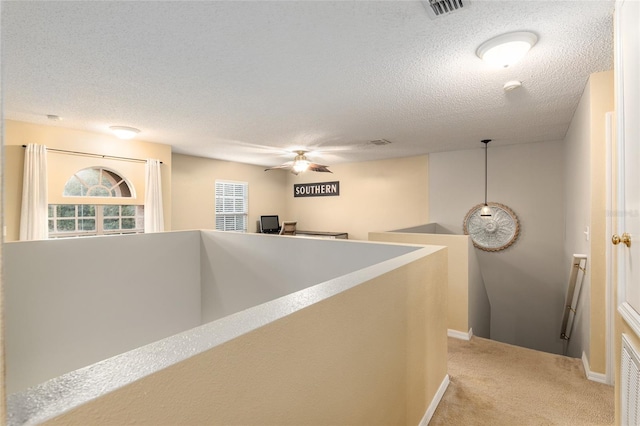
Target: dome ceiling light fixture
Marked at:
124, 132
506, 49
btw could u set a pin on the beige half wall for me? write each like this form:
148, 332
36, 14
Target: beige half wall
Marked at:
365, 347
352, 359
469, 311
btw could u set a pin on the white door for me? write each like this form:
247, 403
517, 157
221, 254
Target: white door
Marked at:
628, 148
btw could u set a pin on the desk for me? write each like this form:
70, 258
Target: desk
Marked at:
320, 234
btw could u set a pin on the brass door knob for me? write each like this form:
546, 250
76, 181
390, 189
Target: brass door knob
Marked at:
625, 239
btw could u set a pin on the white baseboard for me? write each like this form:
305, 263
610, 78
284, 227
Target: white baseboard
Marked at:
460, 334
594, 377
434, 402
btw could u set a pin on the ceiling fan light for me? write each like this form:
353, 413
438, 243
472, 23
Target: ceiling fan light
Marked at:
506, 49
300, 166
124, 132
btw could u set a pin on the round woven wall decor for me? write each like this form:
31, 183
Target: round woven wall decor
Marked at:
494, 233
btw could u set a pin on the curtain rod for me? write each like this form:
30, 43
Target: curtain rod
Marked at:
88, 154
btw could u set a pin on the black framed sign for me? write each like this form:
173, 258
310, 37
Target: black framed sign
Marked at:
318, 189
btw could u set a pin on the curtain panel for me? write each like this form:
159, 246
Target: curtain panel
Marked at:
34, 213
153, 209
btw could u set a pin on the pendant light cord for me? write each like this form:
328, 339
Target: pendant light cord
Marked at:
486, 167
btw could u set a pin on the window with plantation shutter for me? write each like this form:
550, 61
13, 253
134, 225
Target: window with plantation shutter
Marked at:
231, 206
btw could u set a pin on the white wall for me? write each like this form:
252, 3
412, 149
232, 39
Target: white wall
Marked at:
479, 305
525, 282
244, 270
371, 341
3, 405
577, 177
74, 302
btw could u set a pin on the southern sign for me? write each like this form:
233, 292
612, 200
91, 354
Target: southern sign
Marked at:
319, 189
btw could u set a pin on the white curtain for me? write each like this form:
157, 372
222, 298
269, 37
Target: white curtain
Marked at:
35, 213
153, 216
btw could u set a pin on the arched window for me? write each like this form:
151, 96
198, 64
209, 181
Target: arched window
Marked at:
76, 220
97, 182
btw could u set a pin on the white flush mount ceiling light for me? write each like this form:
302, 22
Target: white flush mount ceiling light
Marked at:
506, 49
124, 132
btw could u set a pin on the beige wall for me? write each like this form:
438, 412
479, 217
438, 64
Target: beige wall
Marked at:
62, 166
458, 269
374, 196
372, 355
194, 191
585, 186
601, 103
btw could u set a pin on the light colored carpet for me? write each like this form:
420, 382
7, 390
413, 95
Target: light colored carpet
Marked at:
493, 383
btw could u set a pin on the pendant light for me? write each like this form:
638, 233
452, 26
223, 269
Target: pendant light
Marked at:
485, 211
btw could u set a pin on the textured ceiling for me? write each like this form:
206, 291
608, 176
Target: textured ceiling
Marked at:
248, 81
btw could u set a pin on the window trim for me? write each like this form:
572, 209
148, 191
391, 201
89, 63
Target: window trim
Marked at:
122, 182
99, 218
244, 215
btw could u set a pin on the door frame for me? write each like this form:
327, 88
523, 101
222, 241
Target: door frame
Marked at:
610, 299
628, 313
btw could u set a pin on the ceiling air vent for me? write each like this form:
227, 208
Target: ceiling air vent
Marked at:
437, 8
379, 142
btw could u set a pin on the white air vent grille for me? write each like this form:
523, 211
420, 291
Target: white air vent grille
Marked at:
436, 8
630, 384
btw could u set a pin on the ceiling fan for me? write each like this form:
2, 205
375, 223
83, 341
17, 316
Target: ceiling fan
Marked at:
301, 164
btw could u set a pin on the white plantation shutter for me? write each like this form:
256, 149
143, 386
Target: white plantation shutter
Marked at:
231, 206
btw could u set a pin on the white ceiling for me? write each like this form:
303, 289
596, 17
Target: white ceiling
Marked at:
250, 80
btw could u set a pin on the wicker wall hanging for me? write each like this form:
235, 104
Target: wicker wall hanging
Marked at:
493, 233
